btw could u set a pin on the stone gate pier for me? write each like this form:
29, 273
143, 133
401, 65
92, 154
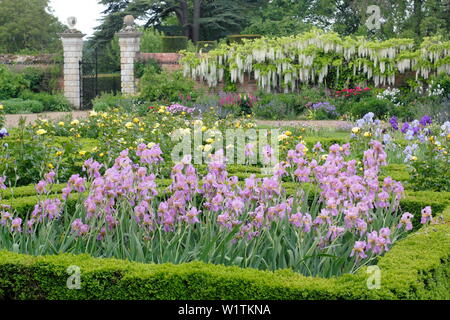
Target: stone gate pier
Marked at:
72, 41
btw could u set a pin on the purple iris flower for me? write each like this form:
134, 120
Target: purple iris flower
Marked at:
3, 133
405, 127
394, 123
426, 120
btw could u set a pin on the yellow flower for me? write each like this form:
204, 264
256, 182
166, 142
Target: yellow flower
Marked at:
288, 133
136, 120
156, 126
50, 166
1, 107
207, 148
101, 155
75, 122
141, 129
413, 158
356, 130
305, 150
82, 153
150, 145
93, 114
77, 135
41, 132
129, 125
448, 136
204, 129
367, 134
95, 149
210, 140
324, 157
58, 154
61, 124
183, 113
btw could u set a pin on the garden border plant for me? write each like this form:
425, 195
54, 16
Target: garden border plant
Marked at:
416, 268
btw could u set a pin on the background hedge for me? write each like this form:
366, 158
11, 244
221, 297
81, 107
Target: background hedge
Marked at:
174, 43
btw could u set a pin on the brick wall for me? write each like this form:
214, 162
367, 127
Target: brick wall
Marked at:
170, 62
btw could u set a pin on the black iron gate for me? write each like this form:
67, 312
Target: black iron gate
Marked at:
88, 82
92, 83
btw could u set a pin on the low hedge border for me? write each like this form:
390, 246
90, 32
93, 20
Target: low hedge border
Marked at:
416, 268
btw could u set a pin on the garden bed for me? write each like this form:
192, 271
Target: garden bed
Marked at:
416, 268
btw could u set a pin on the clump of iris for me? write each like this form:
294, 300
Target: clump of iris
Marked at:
325, 106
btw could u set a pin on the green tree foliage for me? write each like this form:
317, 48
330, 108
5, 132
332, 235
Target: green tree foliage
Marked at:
28, 25
196, 19
400, 18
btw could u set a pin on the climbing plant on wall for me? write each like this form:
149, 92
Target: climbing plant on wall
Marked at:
318, 57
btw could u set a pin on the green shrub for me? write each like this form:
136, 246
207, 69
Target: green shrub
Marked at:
140, 66
51, 102
279, 106
35, 78
379, 107
151, 41
174, 43
15, 106
108, 101
11, 84
206, 46
165, 87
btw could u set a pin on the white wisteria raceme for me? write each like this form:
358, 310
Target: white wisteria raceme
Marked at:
288, 62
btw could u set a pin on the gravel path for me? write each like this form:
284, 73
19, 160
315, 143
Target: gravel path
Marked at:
332, 124
13, 119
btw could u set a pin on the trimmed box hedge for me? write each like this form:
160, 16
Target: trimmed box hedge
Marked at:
174, 43
238, 38
415, 268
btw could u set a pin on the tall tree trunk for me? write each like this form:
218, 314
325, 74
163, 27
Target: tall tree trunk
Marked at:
184, 14
196, 20
418, 16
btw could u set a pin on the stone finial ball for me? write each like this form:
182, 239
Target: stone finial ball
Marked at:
72, 21
128, 20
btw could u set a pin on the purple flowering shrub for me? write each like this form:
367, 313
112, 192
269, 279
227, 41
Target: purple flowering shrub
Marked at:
323, 111
178, 108
218, 219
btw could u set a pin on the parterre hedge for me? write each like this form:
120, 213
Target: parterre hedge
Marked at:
415, 268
